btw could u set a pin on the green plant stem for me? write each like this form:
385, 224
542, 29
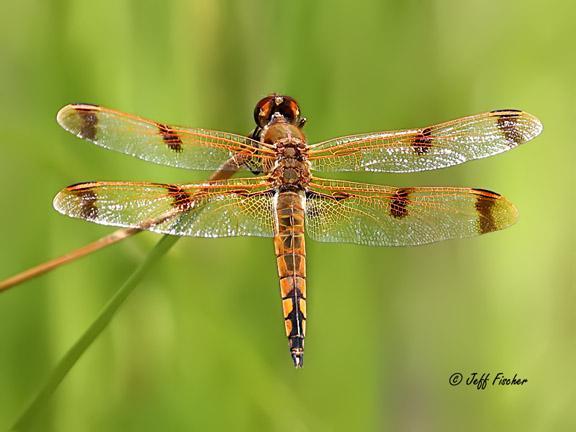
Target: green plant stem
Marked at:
83, 343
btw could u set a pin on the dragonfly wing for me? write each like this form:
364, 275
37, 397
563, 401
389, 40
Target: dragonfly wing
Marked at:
339, 211
175, 146
240, 207
428, 148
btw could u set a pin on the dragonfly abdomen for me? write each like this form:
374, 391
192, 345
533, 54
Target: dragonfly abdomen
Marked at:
291, 259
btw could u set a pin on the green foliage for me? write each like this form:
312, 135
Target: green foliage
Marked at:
200, 344
89, 336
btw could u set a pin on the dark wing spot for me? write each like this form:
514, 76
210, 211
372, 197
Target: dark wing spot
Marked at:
423, 141
507, 124
399, 203
182, 200
170, 137
89, 121
88, 198
485, 202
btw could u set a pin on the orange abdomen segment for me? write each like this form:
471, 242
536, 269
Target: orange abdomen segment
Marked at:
291, 259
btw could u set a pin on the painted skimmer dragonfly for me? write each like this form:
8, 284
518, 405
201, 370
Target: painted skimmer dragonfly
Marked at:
285, 199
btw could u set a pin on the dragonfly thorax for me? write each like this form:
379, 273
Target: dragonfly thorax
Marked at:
292, 169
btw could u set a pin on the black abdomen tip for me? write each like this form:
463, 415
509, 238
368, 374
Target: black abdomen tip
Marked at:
298, 358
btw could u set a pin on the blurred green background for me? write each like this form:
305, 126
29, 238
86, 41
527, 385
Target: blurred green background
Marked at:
200, 344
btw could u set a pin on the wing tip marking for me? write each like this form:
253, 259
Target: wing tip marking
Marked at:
494, 211
85, 197
86, 114
506, 122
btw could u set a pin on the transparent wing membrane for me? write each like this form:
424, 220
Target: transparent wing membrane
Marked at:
336, 211
175, 146
240, 207
429, 148
339, 211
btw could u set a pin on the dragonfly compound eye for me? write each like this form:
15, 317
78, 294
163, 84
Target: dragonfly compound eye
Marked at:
286, 106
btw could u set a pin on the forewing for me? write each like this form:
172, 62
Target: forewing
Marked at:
240, 207
175, 146
428, 148
339, 211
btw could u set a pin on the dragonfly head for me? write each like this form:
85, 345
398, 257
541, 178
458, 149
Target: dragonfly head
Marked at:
275, 108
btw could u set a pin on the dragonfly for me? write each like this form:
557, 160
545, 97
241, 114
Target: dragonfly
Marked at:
279, 196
